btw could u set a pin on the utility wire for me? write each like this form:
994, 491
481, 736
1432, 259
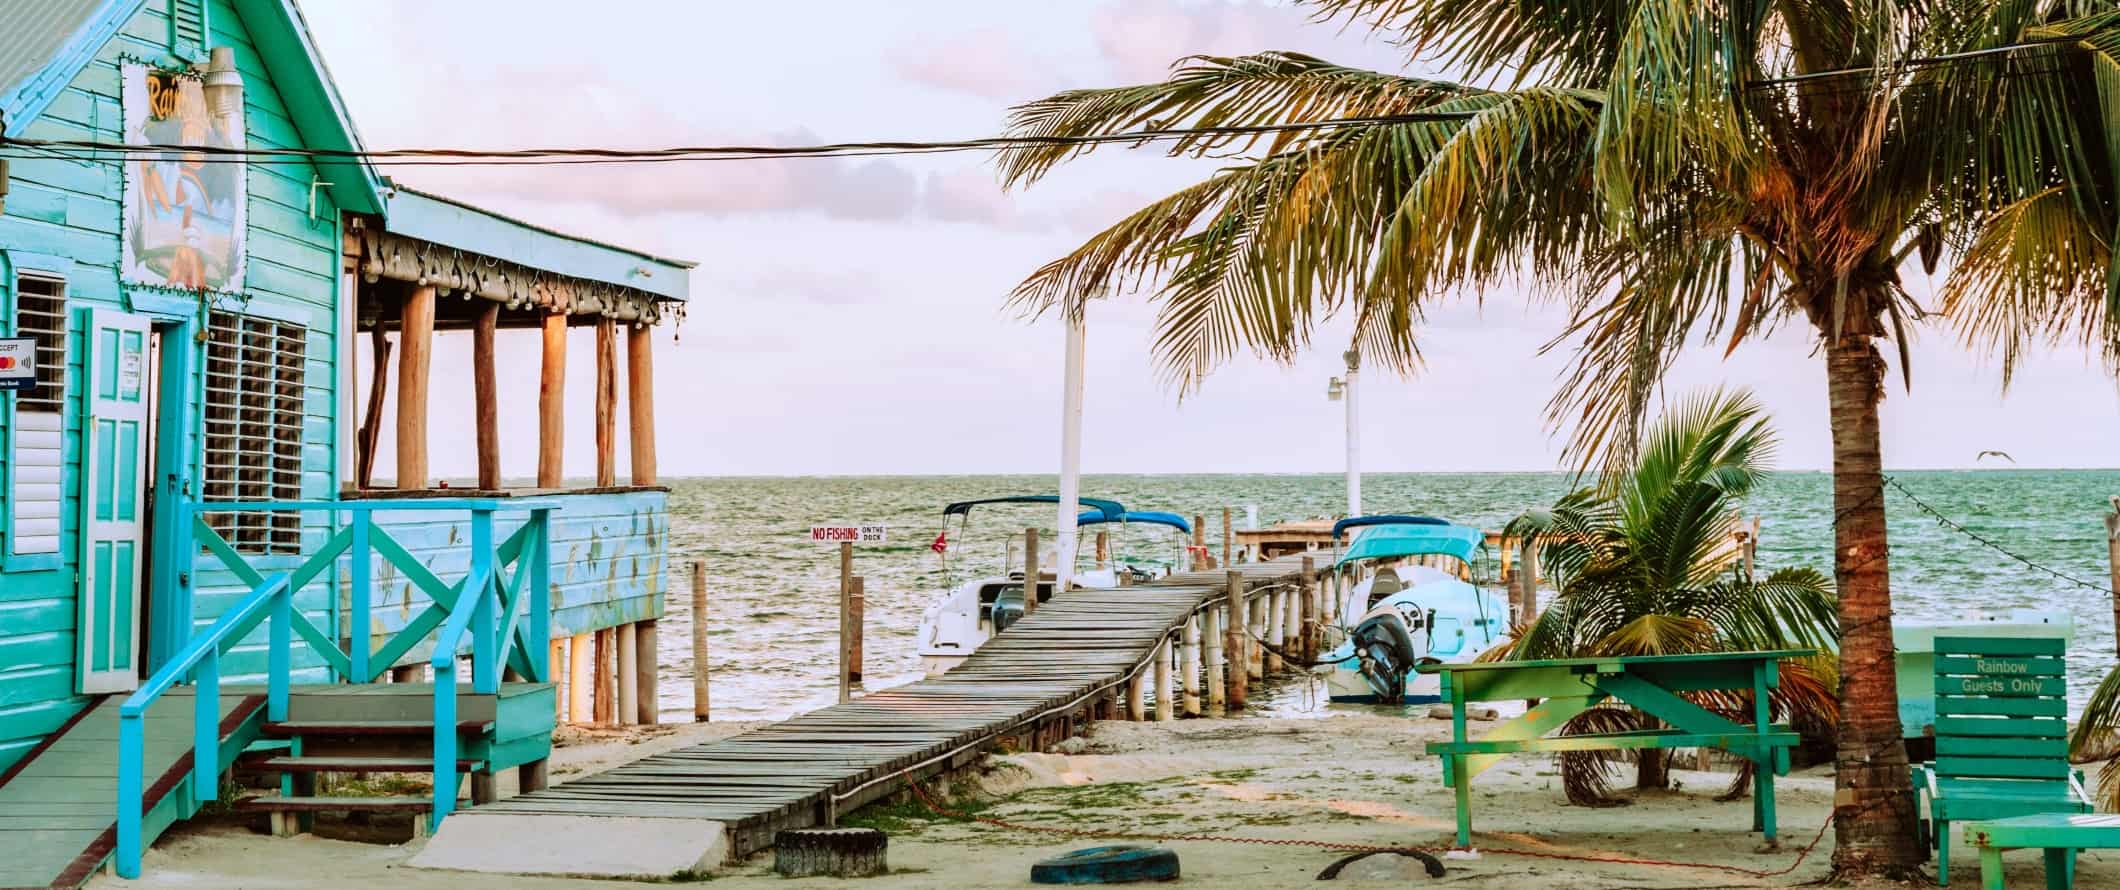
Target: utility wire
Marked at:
70, 149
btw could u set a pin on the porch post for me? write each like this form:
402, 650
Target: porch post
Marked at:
484, 392
606, 403
640, 399
417, 333
552, 403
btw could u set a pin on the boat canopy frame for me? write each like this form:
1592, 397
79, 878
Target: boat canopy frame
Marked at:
1110, 509
1136, 517
1401, 536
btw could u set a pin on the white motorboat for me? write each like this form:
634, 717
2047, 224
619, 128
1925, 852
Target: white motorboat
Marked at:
1417, 603
973, 611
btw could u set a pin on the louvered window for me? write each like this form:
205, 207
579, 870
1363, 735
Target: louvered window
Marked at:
254, 400
39, 421
187, 25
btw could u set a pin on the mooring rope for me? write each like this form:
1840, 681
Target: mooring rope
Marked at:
1417, 850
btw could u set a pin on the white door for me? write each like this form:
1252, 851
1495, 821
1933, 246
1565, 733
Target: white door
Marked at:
114, 460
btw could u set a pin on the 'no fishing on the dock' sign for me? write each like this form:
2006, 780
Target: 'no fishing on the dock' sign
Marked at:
847, 534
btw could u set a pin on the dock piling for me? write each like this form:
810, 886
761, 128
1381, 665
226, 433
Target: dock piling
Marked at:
1254, 630
1030, 570
855, 625
1166, 696
846, 614
1237, 645
581, 671
649, 680
606, 677
699, 641
1212, 621
1189, 665
1310, 629
628, 674
1137, 697
1276, 623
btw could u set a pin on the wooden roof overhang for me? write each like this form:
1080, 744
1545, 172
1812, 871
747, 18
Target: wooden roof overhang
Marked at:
474, 257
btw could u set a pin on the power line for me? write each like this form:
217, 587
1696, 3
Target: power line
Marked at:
538, 156
70, 149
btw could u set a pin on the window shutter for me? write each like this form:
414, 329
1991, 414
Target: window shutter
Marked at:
187, 26
39, 422
254, 406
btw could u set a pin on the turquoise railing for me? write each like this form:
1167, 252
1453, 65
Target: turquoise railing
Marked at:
501, 605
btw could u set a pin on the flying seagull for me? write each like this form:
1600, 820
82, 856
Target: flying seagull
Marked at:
2001, 454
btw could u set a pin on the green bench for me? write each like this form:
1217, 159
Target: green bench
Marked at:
2059, 834
2001, 738
1569, 686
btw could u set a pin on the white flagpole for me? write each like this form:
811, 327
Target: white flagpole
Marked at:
1070, 451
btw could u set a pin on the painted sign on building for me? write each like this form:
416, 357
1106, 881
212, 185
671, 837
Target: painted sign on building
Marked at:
184, 210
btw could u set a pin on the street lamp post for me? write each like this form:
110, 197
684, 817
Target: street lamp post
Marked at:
1345, 390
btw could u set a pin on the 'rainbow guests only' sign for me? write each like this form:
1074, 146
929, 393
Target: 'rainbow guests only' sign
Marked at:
847, 534
18, 362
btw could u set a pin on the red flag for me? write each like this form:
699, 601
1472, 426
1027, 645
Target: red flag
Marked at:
942, 543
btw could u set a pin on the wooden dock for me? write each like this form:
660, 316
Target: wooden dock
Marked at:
1082, 655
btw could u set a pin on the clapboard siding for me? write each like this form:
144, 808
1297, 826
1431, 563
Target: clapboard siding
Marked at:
71, 208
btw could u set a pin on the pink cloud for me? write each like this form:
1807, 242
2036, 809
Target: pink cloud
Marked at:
1139, 41
989, 63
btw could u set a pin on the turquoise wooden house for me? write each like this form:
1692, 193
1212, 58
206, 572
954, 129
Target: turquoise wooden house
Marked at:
198, 568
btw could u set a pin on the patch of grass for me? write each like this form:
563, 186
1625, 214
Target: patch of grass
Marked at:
1233, 775
688, 876
374, 785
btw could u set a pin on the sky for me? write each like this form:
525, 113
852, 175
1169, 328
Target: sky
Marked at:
849, 316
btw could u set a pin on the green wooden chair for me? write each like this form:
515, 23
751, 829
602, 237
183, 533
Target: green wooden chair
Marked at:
2001, 738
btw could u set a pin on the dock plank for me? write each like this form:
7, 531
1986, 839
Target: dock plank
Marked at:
1075, 648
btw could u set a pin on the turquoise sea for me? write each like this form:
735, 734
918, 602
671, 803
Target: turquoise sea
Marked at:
772, 615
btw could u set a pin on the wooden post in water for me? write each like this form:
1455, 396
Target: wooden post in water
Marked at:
1229, 539
1214, 665
1030, 570
1270, 663
1237, 642
1199, 544
606, 403
846, 615
628, 673
857, 603
1166, 693
1137, 697
1189, 665
485, 392
699, 641
1253, 632
649, 680
1104, 550
581, 674
416, 344
552, 402
2112, 551
1524, 593
1310, 629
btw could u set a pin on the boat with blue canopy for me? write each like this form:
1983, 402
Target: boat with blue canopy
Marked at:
972, 611
1416, 601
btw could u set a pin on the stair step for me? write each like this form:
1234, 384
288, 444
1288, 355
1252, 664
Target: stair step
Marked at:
370, 727
276, 803
353, 764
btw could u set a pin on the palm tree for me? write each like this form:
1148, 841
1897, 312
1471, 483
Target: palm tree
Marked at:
1644, 565
1672, 171
2097, 738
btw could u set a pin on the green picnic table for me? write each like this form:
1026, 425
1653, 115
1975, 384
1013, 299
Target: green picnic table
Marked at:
1651, 683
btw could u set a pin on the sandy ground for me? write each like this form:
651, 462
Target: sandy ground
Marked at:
1358, 779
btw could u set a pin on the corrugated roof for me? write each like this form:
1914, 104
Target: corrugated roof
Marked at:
33, 35
453, 223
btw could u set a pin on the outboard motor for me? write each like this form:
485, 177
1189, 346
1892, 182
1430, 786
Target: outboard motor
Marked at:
1008, 608
1386, 651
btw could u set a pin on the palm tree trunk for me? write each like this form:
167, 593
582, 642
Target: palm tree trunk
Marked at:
1653, 772
1874, 827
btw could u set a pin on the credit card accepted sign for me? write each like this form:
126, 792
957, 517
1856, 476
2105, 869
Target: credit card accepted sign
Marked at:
18, 363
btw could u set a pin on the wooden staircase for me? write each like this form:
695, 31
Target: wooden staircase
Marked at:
387, 729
